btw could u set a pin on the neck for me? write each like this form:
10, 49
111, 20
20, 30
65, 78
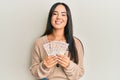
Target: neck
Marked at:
58, 35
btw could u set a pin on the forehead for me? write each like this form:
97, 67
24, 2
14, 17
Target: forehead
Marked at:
60, 8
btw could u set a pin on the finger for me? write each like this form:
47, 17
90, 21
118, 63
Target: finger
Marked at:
49, 59
60, 55
52, 59
63, 61
63, 64
63, 58
52, 64
45, 63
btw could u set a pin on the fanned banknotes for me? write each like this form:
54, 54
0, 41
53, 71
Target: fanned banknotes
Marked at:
55, 47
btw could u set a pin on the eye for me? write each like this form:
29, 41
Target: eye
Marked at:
63, 14
54, 13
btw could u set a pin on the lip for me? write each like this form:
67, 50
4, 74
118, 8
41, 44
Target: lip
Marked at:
58, 22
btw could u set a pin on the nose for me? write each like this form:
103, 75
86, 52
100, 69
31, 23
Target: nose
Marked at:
58, 16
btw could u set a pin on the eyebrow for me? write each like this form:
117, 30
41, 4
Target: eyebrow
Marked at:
61, 12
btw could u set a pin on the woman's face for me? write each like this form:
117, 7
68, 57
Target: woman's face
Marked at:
59, 17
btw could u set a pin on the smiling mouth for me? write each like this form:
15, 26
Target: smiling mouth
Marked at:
58, 22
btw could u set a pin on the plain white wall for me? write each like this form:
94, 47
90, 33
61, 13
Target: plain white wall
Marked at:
96, 23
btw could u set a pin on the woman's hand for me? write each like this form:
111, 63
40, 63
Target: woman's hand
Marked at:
63, 60
50, 61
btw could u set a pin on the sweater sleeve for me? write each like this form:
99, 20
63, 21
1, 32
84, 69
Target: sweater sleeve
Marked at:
37, 69
76, 71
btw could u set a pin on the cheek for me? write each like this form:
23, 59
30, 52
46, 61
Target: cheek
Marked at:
52, 20
65, 20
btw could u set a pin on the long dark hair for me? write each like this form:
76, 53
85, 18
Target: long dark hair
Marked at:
68, 31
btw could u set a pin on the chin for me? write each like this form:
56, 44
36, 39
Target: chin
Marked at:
58, 27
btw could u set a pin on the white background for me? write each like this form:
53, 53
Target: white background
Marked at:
96, 23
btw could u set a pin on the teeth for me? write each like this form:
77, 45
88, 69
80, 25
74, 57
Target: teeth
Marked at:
58, 22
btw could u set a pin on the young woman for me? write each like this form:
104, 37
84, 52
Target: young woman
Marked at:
58, 67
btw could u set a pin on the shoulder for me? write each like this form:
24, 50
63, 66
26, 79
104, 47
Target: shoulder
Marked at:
40, 40
78, 43
77, 40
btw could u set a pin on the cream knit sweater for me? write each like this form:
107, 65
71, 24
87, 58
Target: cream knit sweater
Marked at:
73, 72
